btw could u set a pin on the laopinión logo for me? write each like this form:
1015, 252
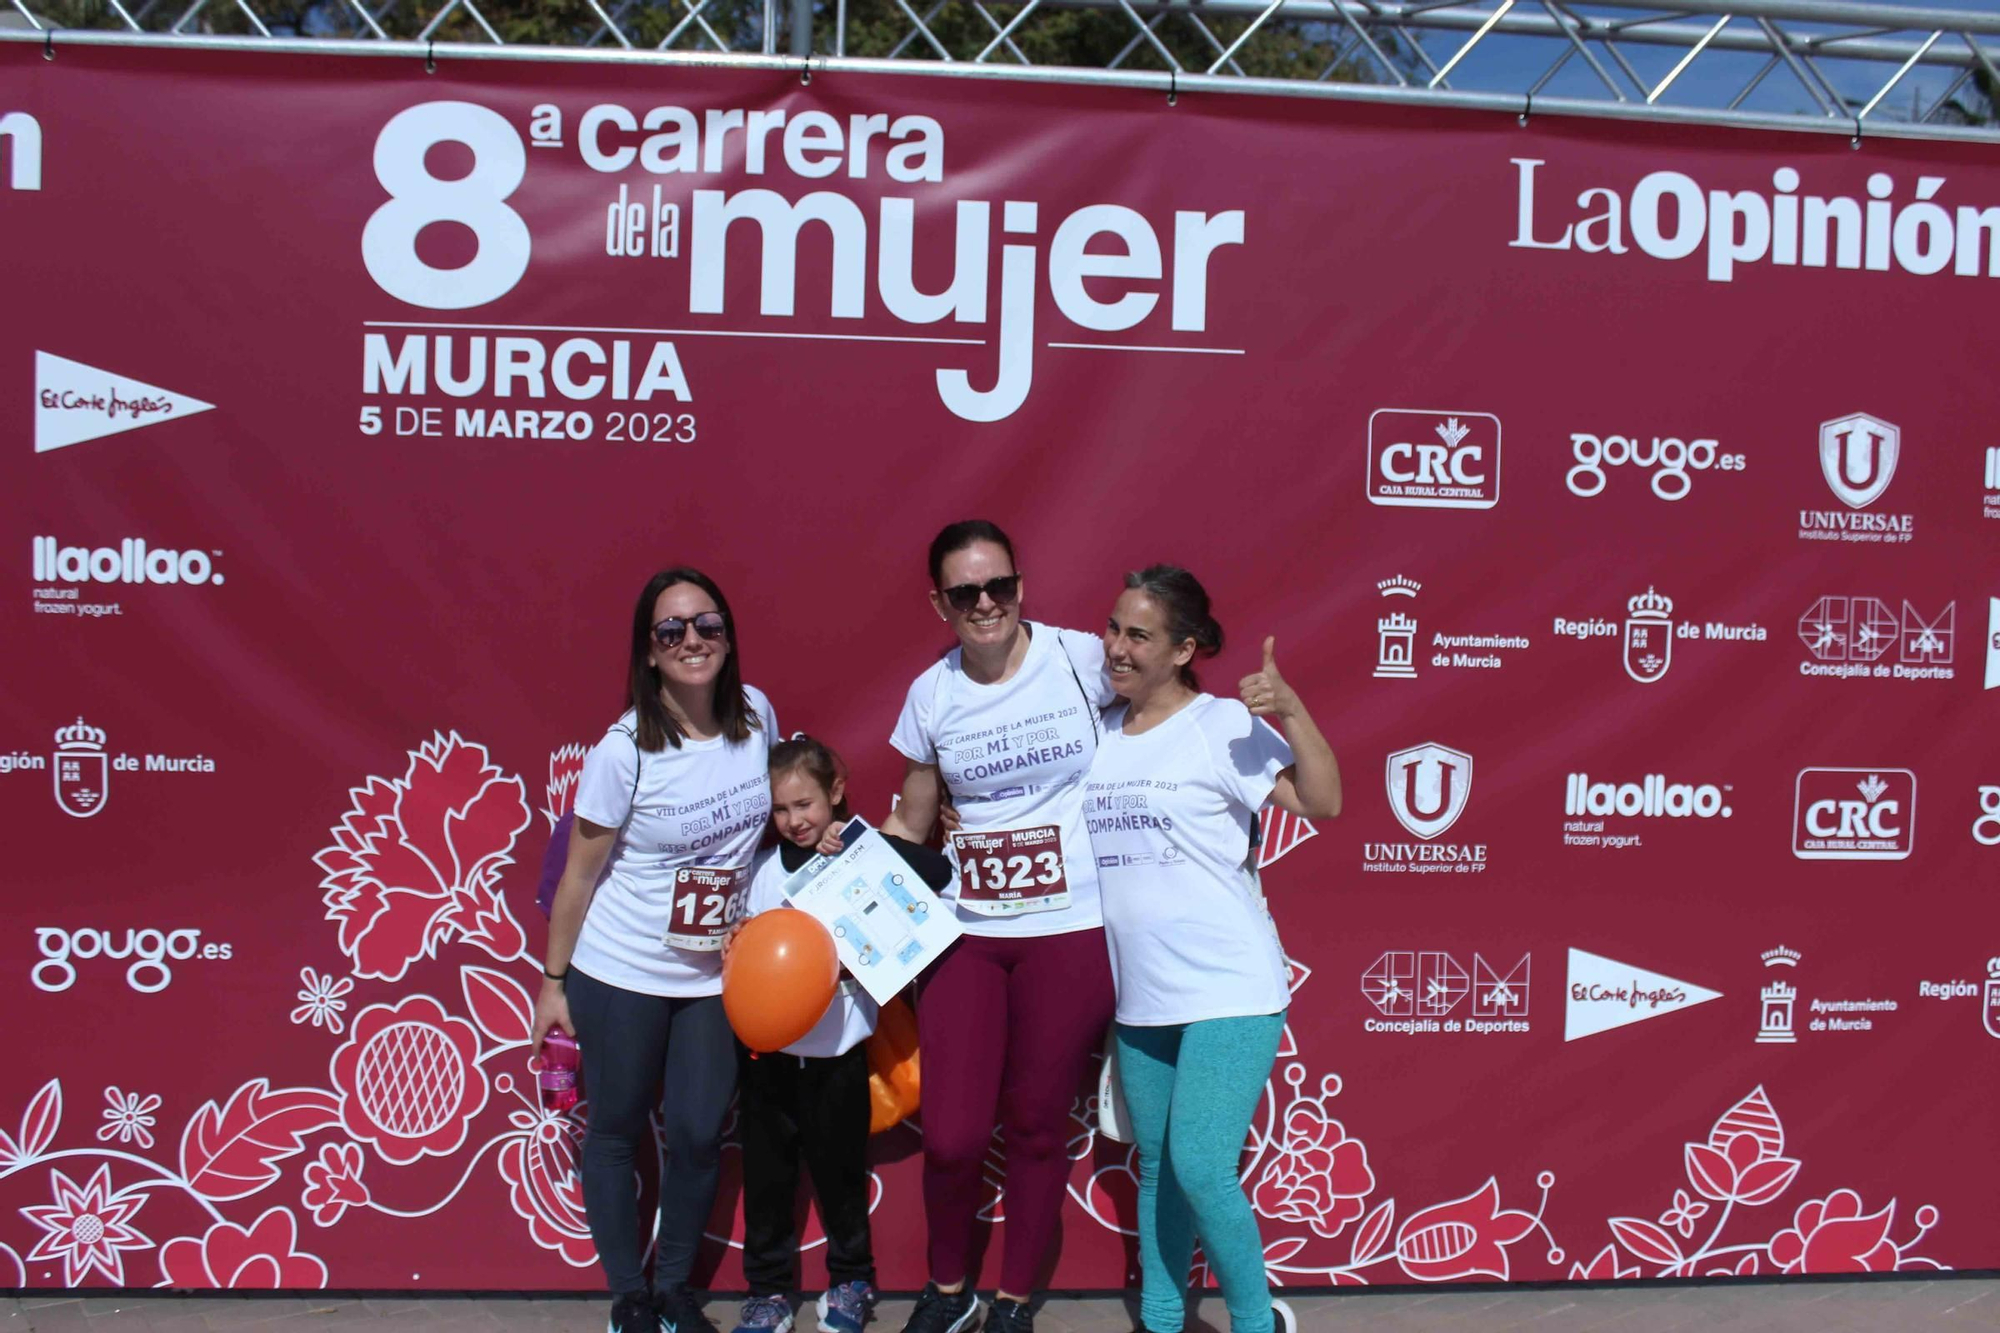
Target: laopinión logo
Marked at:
82, 767
1433, 460
1854, 814
22, 134
1596, 813
1397, 649
1858, 454
1428, 787
1649, 631
1668, 458
1418, 991
67, 578
1850, 638
148, 952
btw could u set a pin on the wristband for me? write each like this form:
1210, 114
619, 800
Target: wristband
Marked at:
555, 976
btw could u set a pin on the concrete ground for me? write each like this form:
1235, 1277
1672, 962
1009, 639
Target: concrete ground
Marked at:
1795, 1307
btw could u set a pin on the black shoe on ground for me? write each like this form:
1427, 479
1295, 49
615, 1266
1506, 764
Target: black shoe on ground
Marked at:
632, 1313
1010, 1317
938, 1312
679, 1311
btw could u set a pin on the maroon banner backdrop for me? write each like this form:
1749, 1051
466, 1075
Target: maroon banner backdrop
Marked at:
1619, 495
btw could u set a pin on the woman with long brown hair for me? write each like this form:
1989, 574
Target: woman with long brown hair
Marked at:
669, 811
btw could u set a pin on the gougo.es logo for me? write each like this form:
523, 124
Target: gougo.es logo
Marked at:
148, 952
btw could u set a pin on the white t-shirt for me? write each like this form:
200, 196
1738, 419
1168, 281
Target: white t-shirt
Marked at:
850, 1019
1013, 756
703, 805
1169, 813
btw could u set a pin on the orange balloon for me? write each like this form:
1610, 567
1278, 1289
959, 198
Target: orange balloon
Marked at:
779, 978
893, 1077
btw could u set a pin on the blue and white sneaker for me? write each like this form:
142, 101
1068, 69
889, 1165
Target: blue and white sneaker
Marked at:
765, 1314
846, 1307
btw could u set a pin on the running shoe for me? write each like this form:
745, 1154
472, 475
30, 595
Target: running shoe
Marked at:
1010, 1317
938, 1312
846, 1307
631, 1313
765, 1314
679, 1311
1282, 1318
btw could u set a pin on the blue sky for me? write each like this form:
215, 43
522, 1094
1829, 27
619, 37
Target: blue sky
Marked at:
1511, 64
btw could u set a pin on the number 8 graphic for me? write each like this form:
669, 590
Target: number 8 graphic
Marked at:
417, 199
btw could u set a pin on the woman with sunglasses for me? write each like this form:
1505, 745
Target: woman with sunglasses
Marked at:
669, 811
1007, 724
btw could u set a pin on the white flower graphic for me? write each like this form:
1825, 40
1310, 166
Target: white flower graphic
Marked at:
319, 1000
129, 1118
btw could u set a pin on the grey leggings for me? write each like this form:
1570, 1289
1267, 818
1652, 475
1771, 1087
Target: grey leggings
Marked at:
633, 1044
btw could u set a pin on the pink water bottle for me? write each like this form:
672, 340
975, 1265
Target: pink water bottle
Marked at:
557, 1077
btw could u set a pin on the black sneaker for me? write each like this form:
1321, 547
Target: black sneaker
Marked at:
938, 1312
1010, 1317
632, 1313
679, 1311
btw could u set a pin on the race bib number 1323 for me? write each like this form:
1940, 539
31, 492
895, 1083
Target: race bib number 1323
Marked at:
1007, 872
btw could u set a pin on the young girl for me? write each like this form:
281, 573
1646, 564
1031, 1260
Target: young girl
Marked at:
811, 1099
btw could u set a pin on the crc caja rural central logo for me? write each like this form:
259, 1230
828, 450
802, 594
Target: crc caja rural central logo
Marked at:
1854, 814
1433, 460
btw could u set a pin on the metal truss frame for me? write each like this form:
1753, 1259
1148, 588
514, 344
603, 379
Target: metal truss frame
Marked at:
1838, 61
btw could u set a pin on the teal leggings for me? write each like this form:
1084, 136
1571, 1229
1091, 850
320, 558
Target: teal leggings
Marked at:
1190, 1090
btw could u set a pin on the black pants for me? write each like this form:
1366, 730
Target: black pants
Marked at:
632, 1043
793, 1107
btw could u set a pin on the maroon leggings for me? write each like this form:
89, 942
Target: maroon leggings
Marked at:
1007, 1027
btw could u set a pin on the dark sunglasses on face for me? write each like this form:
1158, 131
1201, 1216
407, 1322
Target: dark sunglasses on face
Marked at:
709, 624
1003, 591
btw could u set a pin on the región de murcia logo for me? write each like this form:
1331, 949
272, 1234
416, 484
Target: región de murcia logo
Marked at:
82, 767
1649, 631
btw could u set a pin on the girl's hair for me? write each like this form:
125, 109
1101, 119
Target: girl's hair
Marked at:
657, 728
1185, 602
803, 754
955, 537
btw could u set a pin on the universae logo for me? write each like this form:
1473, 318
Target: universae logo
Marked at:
1857, 454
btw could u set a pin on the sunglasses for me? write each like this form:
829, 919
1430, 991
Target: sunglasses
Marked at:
1004, 591
709, 624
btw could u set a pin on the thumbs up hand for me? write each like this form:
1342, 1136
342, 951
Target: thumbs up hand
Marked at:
1265, 692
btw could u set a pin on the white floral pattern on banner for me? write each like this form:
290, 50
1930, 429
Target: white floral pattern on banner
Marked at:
1742, 1164
320, 1001
129, 1118
417, 860
88, 1227
413, 867
263, 1256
